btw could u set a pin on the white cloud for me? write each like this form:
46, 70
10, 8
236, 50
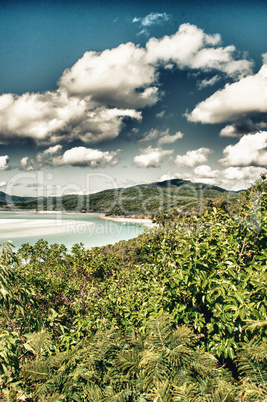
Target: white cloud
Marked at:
170, 139
237, 129
205, 171
26, 164
102, 89
118, 77
81, 156
24, 161
244, 98
160, 115
163, 137
53, 117
4, 162
191, 47
53, 150
241, 173
232, 178
152, 19
151, 135
46, 157
238, 178
250, 150
229, 131
5, 101
150, 157
127, 76
208, 82
192, 158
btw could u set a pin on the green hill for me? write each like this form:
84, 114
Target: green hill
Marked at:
145, 199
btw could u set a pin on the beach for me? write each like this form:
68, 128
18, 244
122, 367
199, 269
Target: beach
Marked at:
145, 222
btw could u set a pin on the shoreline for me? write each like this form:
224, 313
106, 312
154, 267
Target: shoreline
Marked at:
145, 222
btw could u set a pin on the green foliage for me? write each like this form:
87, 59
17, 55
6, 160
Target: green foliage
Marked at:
6, 274
130, 367
158, 318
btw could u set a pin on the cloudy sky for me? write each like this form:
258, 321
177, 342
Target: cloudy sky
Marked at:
95, 95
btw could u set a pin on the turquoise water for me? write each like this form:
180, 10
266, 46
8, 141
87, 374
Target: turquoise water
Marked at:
64, 228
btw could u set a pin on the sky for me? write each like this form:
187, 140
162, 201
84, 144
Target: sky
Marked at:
97, 95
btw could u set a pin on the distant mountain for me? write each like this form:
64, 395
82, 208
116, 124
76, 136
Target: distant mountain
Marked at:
144, 199
8, 201
181, 182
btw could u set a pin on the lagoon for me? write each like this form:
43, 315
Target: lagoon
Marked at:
64, 228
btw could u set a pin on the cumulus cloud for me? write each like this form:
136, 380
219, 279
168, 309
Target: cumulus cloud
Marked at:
204, 174
243, 99
103, 89
4, 162
231, 178
83, 157
250, 150
190, 47
192, 158
53, 117
150, 157
77, 156
241, 173
128, 74
238, 178
117, 77
205, 171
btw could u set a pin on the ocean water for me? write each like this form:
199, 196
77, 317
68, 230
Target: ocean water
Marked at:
64, 228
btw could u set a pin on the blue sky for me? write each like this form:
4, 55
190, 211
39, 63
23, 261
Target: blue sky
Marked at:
96, 95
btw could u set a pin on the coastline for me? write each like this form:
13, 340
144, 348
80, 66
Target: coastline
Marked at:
145, 222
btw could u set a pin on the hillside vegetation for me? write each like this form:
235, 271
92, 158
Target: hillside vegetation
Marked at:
145, 199
177, 314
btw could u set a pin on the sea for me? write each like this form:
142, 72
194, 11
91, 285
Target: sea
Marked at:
64, 228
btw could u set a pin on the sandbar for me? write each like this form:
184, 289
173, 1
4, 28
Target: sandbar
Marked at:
144, 222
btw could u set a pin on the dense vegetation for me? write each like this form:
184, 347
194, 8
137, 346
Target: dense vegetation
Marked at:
177, 314
137, 200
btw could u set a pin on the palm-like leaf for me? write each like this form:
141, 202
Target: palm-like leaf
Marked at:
252, 364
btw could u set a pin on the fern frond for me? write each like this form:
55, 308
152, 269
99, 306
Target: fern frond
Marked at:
110, 394
39, 343
161, 392
36, 370
154, 367
252, 361
127, 363
185, 393
159, 331
249, 391
183, 335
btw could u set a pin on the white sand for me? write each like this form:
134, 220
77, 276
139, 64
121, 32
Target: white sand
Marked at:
144, 222
37, 227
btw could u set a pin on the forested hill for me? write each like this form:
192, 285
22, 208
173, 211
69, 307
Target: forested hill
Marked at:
144, 199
